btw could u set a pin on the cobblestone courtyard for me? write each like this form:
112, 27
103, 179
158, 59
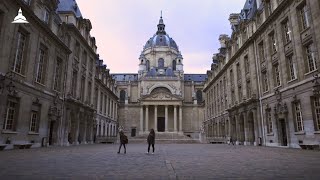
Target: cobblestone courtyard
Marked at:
171, 161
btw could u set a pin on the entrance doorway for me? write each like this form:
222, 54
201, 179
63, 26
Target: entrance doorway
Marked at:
51, 132
283, 132
133, 132
161, 124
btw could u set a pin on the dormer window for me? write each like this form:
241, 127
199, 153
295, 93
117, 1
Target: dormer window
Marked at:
46, 16
28, 2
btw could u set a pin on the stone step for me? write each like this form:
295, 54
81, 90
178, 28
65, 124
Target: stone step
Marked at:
165, 141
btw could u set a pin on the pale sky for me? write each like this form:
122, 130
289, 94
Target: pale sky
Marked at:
122, 27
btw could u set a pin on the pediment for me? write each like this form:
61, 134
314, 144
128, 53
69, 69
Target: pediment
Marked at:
161, 96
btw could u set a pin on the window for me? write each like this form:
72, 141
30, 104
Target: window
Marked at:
148, 65
269, 7
233, 97
277, 78
1, 19
265, 82
248, 89
84, 58
174, 65
101, 102
161, 63
46, 16
316, 107
311, 60
298, 117
273, 43
34, 122
240, 94
91, 65
96, 98
77, 49
83, 81
74, 83
231, 77
199, 96
122, 96
269, 121
105, 105
89, 92
57, 75
18, 64
291, 68
41, 66
261, 52
286, 31
304, 17
11, 114
238, 72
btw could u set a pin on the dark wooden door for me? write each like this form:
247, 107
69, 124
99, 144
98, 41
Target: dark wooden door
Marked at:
161, 124
283, 132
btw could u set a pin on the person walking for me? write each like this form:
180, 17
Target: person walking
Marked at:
123, 141
151, 140
231, 141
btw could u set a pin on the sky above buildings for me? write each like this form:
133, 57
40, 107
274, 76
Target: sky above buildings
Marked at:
122, 27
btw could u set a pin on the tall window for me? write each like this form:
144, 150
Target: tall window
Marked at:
101, 102
276, 74
122, 96
248, 89
233, 97
89, 92
77, 49
286, 31
273, 43
57, 75
231, 77
74, 83
261, 52
46, 16
298, 117
317, 113
265, 82
161, 63
83, 81
291, 68
304, 17
174, 65
269, 121
238, 72
96, 98
11, 114
34, 119
41, 66
18, 64
311, 59
148, 65
199, 96
240, 94
84, 58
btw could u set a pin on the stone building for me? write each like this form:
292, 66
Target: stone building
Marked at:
263, 84
48, 69
160, 95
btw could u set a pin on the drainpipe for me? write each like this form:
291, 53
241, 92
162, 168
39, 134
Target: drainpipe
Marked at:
260, 94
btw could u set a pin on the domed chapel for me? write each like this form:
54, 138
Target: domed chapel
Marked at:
160, 95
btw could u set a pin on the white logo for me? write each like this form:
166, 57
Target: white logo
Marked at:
20, 18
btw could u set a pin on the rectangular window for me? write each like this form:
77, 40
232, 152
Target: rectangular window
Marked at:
248, 89
18, 64
84, 58
89, 92
304, 17
83, 81
74, 83
269, 122
96, 98
291, 68
269, 7
238, 72
317, 113
298, 117
101, 102
273, 43
11, 115
41, 66
91, 65
265, 82
311, 59
77, 50
261, 52
247, 64
34, 121
277, 78
286, 31
233, 97
57, 75
240, 94
231, 77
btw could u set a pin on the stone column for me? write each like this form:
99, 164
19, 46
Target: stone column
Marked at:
141, 120
166, 118
218, 129
175, 118
229, 127
155, 117
84, 138
245, 124
256, 127
77, 129
237, 129
91, 130
180, 119
109, 129
147, 119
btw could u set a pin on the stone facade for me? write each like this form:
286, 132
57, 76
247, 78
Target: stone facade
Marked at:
268, 72
48, 75
160, 95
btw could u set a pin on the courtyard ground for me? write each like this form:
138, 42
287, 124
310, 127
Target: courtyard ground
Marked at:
170, 161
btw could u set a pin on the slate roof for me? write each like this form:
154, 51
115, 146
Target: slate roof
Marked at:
195, 77
125, 77
249, 9
69, 6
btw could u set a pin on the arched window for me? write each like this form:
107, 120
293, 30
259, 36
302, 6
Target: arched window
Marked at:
199, 96
174, 65
122, 96
161, 63
147, 65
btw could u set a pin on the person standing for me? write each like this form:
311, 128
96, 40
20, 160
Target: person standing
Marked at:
151, 140
123, 141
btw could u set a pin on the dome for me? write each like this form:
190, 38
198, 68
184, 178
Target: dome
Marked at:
161, 38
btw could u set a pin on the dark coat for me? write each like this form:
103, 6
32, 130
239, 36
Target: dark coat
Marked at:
151, 138
122, 138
